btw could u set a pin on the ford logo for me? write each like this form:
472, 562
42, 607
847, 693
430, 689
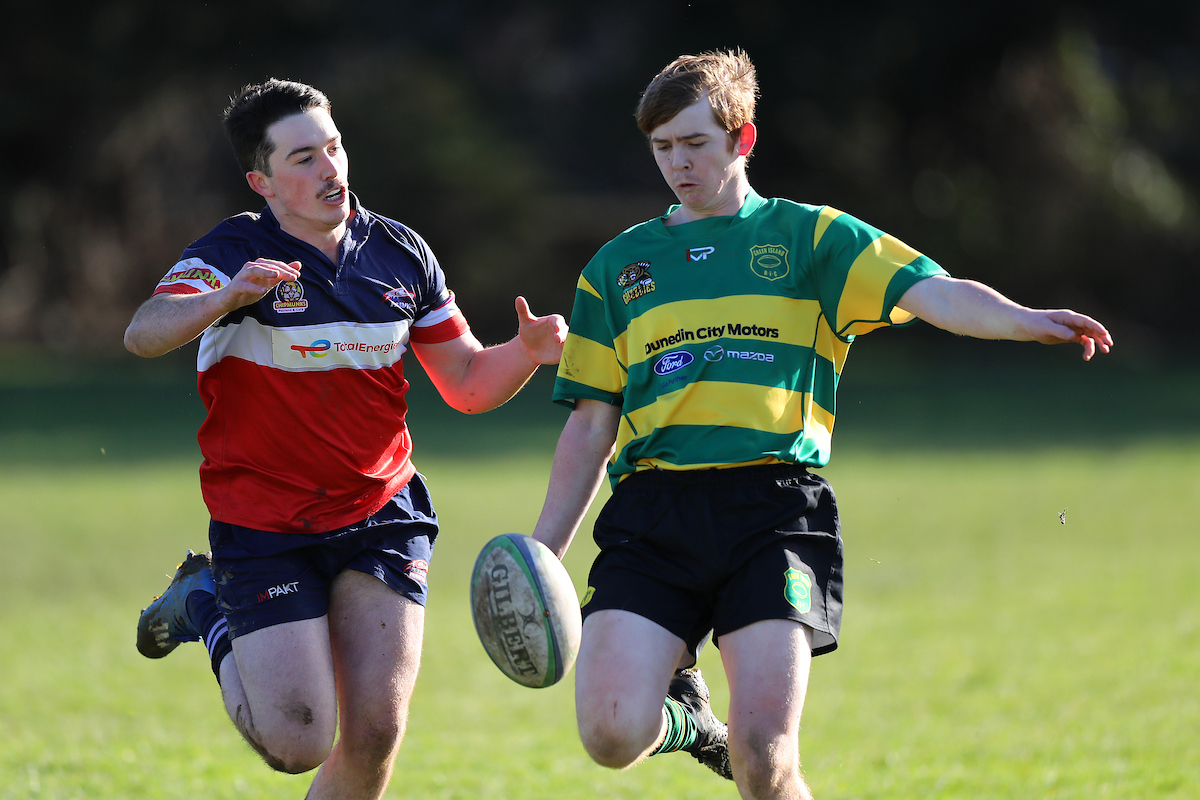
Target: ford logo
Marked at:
673, 362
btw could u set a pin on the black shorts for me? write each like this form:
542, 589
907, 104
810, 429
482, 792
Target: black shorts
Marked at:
718, 550
266, 578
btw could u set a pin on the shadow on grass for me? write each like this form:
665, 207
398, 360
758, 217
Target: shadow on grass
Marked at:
893, 395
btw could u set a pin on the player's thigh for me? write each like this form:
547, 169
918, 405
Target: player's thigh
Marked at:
376, 636
767, 666
624, 666
286, 672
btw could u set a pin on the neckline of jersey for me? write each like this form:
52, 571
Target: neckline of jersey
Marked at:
710, 225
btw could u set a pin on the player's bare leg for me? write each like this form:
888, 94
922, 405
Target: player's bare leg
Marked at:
278, 688
376, 637
767, 665
624, 666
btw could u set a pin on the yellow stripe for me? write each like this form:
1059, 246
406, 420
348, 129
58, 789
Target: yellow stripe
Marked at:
826, 216
587, 287
732, 405
658, 463
866, 283
592, 364
794, 319
714, 403
820, 428
830, 347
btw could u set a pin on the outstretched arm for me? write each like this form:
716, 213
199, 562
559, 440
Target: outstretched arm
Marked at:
970, 308
583, 451
472, 378
167, 321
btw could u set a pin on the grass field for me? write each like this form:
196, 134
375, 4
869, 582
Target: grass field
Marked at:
989, 650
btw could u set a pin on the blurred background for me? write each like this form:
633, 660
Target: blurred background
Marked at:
1020, 524
1051, 149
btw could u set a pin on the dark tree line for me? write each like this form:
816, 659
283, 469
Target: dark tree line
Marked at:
1050, 149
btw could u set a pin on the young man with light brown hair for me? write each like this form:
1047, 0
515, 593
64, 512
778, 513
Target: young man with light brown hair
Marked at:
701, 366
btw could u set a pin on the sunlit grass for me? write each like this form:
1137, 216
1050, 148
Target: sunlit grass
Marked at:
989, 650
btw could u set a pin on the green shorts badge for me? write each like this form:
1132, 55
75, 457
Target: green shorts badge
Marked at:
797, 589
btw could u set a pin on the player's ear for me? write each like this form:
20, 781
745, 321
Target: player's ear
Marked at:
746, 138
260, 183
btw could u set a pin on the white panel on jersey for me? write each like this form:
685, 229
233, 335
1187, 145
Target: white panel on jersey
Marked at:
308, 347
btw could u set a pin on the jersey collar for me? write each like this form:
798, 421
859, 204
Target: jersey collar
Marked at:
753, 202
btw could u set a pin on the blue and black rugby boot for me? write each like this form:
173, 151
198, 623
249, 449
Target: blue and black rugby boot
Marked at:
165, 623
711, 747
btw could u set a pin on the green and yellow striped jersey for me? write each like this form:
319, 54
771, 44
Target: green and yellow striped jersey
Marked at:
723, 339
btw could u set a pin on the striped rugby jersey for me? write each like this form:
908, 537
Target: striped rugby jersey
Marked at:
305, 389
723, 339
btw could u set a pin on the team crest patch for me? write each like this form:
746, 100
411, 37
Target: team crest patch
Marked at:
769, 261
418, 570
636, 281
289, 297
401, 299
797, 589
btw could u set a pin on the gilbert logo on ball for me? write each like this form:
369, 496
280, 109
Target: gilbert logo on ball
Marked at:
525, 610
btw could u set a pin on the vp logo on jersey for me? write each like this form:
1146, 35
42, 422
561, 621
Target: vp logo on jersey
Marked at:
700, 253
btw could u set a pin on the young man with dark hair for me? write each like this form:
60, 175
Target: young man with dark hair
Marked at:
701, 366
312, 603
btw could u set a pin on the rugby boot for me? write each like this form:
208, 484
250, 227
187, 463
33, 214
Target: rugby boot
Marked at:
165, 623
711, 747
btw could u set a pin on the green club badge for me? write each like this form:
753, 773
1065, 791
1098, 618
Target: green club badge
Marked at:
797, 589
769, 261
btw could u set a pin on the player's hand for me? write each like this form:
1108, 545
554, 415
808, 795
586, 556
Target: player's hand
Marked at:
1062, 326
543, 337
258, 277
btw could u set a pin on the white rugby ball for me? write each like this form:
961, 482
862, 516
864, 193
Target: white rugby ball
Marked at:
525, 610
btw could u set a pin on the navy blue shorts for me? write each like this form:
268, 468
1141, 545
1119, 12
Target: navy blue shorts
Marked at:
265, 578
719, 549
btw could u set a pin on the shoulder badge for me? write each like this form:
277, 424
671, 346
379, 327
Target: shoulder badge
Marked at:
635, 279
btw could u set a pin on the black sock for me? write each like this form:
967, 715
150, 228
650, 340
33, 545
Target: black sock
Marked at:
211, 625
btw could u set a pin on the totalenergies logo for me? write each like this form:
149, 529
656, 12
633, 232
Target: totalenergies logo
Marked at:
318, 349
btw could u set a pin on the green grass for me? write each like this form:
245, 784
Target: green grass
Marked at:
988, 650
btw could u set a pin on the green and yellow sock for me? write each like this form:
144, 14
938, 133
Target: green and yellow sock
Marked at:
681, 730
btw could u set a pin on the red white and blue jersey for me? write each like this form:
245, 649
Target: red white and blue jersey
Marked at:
306, 431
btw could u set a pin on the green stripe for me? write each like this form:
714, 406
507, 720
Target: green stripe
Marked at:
718, 445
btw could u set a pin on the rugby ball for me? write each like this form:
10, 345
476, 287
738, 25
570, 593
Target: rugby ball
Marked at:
525, 610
